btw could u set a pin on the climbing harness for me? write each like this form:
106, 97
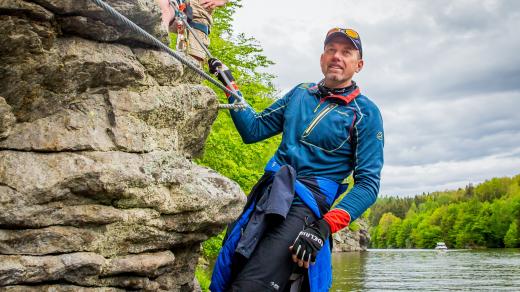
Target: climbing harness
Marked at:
134, 27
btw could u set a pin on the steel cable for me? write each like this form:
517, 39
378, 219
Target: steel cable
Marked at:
110, 10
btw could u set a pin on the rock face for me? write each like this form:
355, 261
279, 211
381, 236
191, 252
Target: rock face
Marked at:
97, 189
348, 240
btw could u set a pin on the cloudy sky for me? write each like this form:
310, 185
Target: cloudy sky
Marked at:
445, 75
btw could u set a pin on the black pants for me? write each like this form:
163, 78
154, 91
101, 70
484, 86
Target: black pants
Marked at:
271, 265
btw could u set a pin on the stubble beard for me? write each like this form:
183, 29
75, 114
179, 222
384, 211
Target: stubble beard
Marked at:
334, 80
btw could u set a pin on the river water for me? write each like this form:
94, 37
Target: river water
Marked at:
427, 270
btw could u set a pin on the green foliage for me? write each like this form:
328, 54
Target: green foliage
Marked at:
487, 215
367, 214
354, 226
492, 189
512, 238
203, 277
211, 247
398, 206
384, 234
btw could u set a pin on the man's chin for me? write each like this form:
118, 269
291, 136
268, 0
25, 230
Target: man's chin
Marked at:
336, 81
333, 77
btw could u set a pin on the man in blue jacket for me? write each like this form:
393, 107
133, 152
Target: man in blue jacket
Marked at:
329, 131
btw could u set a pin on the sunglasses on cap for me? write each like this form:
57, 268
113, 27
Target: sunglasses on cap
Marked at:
349, 32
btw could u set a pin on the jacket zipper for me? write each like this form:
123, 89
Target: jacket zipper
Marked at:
318, 106
318, 118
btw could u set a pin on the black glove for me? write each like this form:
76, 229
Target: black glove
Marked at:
214, 65
311, 240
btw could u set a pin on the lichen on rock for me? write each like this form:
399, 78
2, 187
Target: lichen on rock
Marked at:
97, 131
7, 119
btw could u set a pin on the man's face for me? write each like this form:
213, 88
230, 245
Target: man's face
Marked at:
339, 62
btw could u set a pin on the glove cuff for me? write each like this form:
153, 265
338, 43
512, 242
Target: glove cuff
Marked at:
337, 219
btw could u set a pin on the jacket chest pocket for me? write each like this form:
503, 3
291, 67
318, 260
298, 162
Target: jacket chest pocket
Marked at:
330, 129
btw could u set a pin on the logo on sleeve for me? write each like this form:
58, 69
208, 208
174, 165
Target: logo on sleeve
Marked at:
379, 136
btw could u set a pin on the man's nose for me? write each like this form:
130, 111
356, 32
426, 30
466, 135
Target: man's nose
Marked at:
336, 56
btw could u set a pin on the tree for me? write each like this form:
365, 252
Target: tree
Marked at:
492, 189
512, 237
402, 238
386, 231
478, 216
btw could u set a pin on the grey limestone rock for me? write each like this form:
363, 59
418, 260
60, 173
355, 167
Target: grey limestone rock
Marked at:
89, 269
58, 288
84, 18
7, 119
97, 189
21, 7
347, 240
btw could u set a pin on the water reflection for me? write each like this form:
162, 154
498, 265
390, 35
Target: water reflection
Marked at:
427, 270
349, 271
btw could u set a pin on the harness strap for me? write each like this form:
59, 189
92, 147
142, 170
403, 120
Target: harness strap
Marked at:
199, 26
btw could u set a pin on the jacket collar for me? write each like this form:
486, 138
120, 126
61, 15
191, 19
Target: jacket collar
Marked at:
347, 95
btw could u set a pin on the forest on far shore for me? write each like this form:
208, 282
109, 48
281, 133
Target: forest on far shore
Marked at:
485, 215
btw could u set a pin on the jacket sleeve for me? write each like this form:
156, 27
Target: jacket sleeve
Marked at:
253, 126
368, 159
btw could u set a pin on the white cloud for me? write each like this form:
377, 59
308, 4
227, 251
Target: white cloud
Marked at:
444, 175
431, 130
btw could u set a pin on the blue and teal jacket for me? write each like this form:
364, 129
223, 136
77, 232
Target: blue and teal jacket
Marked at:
322, 138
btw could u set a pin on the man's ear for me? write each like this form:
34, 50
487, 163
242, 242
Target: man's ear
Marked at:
360, 65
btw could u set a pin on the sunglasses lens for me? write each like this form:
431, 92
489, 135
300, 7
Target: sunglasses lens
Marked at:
333, 31
352, 33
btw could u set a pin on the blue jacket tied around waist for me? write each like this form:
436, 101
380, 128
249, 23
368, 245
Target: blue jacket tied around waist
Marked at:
323, 139
243, 233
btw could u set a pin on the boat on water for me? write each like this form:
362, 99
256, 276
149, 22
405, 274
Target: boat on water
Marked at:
441, 246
